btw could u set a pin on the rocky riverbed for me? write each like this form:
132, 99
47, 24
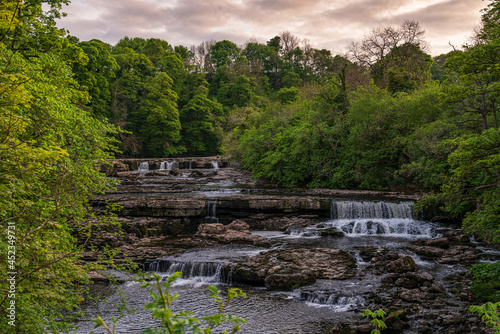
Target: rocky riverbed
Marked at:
363, 251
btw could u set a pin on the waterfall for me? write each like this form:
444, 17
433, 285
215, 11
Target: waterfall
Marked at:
365, 209
167, 165
377, 218
211, 212
341, 300
192, 271
188, 165
303, 232
143, 166
215, 164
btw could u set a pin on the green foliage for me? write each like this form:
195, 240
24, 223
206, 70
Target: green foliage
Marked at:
488, 313
224, 53
486, 281
96, 76
377, 319
473, 183
288, 95
159, 117
199, 119
51, 151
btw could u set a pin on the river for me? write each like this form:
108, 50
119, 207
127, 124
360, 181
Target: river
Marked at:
372, 229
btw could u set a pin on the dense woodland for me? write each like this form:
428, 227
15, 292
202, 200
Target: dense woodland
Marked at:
385, 115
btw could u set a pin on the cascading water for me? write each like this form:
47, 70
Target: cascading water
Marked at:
340, 300
215, 164
143, 166
211, 212
193, 272
169, 165
376, 218
366, 209
302, 232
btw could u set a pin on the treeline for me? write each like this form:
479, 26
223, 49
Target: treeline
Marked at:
177, 101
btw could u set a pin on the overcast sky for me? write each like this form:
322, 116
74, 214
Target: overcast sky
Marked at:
327, 24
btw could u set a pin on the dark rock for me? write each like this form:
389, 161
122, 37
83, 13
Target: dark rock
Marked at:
427, 251
210, 229
288, 281
366, 328
321, 263
459, 254
238, 225
338, 326
236, 232
331, 232
439, 242
402, 265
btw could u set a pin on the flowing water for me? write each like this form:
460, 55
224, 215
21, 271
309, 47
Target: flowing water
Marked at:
169, 165
312, 309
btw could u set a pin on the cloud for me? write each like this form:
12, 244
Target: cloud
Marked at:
325, 23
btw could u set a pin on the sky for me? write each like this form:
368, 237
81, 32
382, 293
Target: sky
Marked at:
326, 24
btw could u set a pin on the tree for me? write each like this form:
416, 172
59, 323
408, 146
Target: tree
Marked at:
491, 21
159, 117
379, 43
96, 75
155, 49
128, 89
50, 152
224, 53
478, 71
404, 69
199, 127
474, 184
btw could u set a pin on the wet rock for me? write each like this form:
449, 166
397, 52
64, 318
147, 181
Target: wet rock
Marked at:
97, 278
439, 243
427, 251
457, 236
402, 265
413, 295
209, 229
320, 263
331, 232
366, 328
414, 280
236, 232
288, 281
338, 327
269, 222
459, 254
238, 225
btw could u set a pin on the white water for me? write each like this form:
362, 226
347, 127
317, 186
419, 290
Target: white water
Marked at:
193, 273
366, 218
143, 166
212, 211
366, 209
408, 228
169, 165
215, 164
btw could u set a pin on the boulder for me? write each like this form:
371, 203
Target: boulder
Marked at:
235, 233
439, 243
209, 229
238, 225
295, 267
459, 254
402, 265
